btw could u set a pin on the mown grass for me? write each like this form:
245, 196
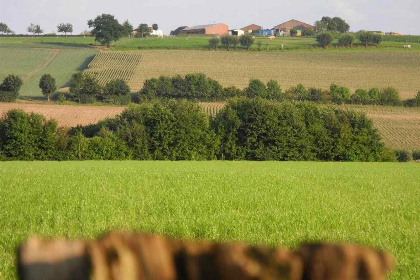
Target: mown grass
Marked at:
259, 202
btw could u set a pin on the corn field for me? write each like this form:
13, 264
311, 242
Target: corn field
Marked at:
108, 66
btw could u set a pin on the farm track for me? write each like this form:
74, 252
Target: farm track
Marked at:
398, 126
54, 53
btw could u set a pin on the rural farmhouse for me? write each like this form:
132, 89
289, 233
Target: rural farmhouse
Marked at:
284, 28
208, 29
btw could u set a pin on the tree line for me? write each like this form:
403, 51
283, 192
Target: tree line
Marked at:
246, 129
86, 89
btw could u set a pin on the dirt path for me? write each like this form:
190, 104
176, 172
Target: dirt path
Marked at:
54, 53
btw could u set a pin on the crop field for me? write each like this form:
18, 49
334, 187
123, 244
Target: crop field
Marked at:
31, 63
312, 69
108, 66
271, 203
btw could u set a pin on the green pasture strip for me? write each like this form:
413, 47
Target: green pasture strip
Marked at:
200, 42
274, 203
61, 66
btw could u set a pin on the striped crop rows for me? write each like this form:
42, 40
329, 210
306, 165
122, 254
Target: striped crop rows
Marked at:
108, 66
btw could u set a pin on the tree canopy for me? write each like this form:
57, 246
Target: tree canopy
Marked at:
4, 28
332, 24
65, 28
106, 29
35, 29
143, 30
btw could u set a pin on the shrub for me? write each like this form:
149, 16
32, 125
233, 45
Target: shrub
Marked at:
246, 41
9, 89
256, 88
403, 156
361, 96
293, 32
416, 155
346, 40
214, 42
413, 102
257, 129
297, 93
274, 90
26, 136
374, 94
339, 95
377, 39
228, 41
308, 32
324, 39
47, 85
367, 38
11, 83
315, 94
117, 92
230, 92
389, 96
85, 89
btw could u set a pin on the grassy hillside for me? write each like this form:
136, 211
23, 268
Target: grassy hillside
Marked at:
259, 202
31, 63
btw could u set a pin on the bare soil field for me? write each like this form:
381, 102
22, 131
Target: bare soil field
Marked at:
68, 116
312, 69
398, 126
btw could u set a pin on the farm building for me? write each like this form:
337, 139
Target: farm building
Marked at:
237, 32
208, 29
178, 30
253, 28
284, 28
158, 33
266, 32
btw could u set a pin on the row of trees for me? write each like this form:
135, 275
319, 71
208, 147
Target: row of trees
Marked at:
107, 29
229, 41
366, 38
86, 89
246, 129
199, 87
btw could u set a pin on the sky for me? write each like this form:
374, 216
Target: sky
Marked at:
401, 16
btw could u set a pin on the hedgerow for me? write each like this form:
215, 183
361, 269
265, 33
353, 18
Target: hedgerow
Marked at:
246, 129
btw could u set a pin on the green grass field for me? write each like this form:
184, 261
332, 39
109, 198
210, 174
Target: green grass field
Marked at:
259, 202
31, 63
201, 42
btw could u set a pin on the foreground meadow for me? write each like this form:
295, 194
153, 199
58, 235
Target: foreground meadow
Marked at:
259, 202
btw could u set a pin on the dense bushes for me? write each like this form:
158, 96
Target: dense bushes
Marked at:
246, 129
85, 89
9, 89
255, 129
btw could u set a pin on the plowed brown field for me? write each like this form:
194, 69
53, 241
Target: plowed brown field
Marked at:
68, 116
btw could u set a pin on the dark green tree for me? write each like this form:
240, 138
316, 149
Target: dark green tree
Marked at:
9, 89
106, 29
246, 41
84, 88
4, 28
155, 26
47, 85
256, 88
214, 42
117, 92
340, 95
346, 40
143, 30
35, 29
229, 41
324, 39
293, 32
65, 28
128, 28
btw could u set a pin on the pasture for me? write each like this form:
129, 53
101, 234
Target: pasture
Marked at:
201, 42
31, 63
258, 202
